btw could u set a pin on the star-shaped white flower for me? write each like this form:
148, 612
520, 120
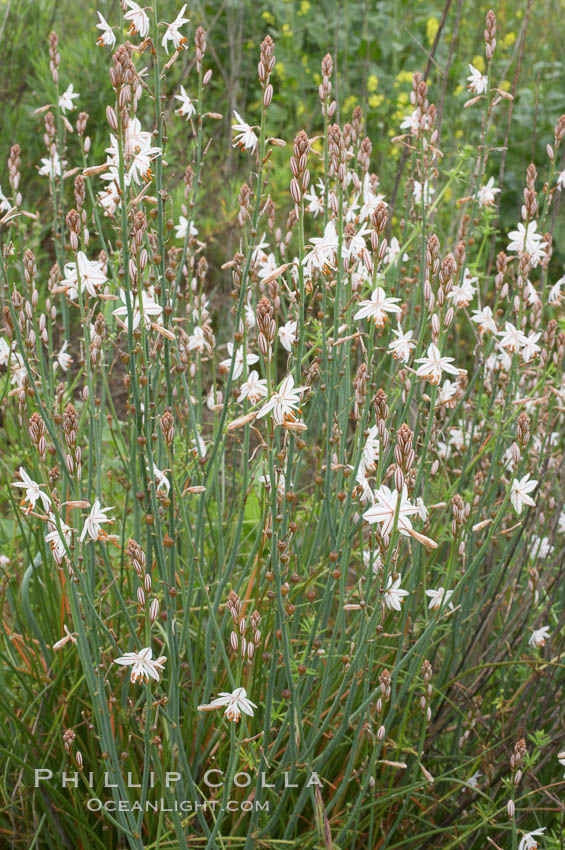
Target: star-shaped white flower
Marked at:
486, 194
59, 542
33, 492
151, 309
528, 240
384, 510
485, 320
401, 347
433, 364
93, 522
284, 402
186, 108
539, 637
52, 166
63, 359
182, 227
142, 664
477, 82
235, 702
528, 841
238, 364
287, 335
245, 136
254, 388
377, 307
107, 36
66, 99
462, 293
438, 598
90, 273
394, 594
138, 17
520, 492
172, 32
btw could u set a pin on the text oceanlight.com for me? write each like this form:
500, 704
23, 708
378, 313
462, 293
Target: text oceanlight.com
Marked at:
94, 804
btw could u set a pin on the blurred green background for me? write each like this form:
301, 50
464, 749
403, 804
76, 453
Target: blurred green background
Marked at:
376, 48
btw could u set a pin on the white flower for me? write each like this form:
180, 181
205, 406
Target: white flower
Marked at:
5, 204
462, 294
235, 703
561, 180
486, 194
254, 388
33, 492
561, 523
186, 109
539, 637
401, 347
554, 296
52, 167
315, 204
5, 351
371, 451
59, 544
530, 347
439, 598
64, 360
238, 364
485, 320
139, 153
528, 842
107, 34
377, 562
384, 510
561, 759
287, 335
357, 242
142, 665
478, 83
151, 309
421, 509
283, 402
197, 340
245, 136
394, 594
268, 263
161, 480
526, 239
433, 364
259, 255
90, 272
371, 199
323, 254
182, 226
172, 32
512, 337
363, 490
393, 251
413, 122
199, 449
93, 522
377, 308
448, 393
520, 492
138, 18
66, 99
423, 189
